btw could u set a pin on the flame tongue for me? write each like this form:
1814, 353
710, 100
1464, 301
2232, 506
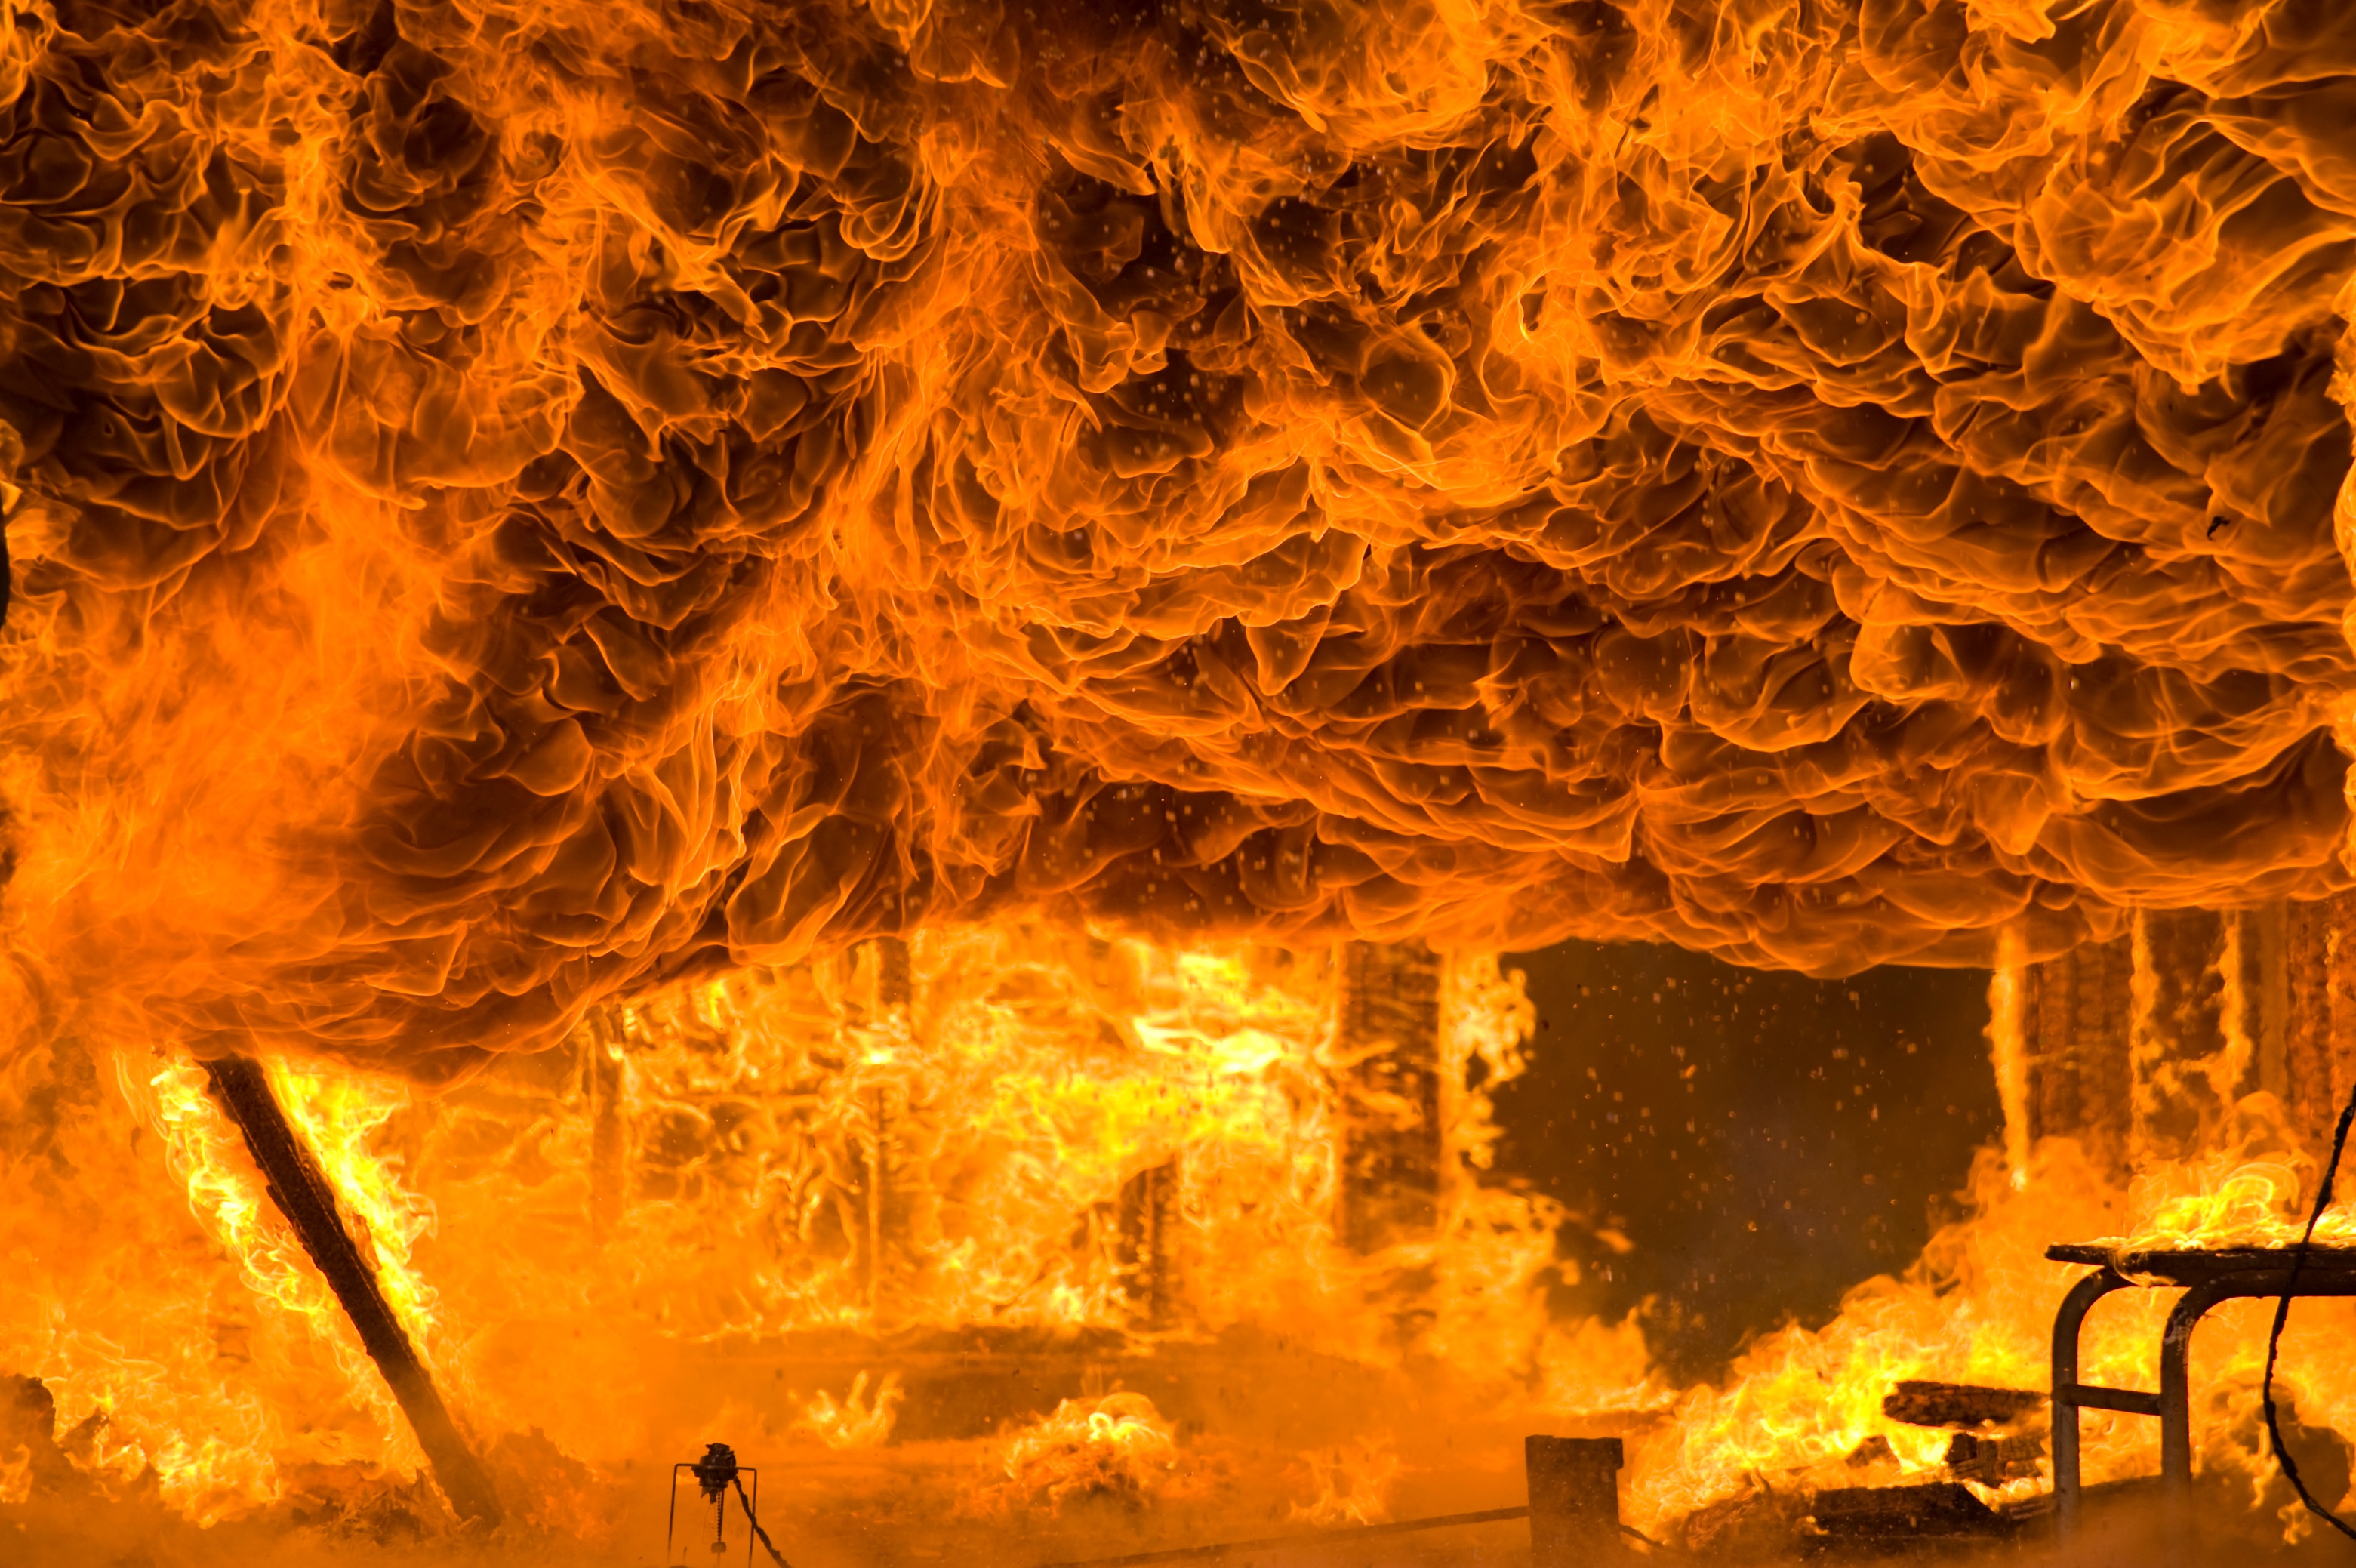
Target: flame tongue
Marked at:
508, 513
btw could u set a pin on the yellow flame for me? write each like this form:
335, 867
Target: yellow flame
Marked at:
1115, 1445
1353, 1484
2008, 1034
860, 1421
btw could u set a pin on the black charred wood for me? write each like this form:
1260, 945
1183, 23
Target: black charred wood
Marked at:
1993, 1461
1958, 1405
28, 1426
1871, 1515
1388, 1034
301, 1191
1149, 1218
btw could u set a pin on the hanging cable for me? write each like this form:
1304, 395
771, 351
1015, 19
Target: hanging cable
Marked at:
714, 1473
2281, 1318
770, 1546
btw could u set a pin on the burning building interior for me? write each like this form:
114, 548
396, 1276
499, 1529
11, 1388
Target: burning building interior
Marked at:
899, 781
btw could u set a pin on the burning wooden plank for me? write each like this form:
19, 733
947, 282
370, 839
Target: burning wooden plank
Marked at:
1993, 1461
1147, 1258
1919, 1404
304, 1196
885, 1108
1386, 1037
1867, 1515
2080, 1082
2320, 1012
609, 1150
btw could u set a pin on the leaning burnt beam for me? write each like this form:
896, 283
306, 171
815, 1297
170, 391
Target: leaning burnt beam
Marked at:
301, 1191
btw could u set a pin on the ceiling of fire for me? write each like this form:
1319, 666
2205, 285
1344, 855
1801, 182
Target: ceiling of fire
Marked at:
513, 503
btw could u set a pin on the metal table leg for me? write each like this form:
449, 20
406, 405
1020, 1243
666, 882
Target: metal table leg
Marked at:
2067, 1323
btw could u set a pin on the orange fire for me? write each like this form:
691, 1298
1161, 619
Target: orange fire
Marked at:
1117, 1445
539, 533
515, 507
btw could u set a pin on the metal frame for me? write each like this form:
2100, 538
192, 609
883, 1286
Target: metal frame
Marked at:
2206, 1279
752, 1503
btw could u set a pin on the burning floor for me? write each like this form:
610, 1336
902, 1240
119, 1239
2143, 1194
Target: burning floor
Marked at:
1025, 1246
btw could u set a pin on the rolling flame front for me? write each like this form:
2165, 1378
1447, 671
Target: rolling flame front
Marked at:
513, 505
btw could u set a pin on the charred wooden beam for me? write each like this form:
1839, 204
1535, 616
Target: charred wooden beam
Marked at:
2180, 1022
2266, 982
2319, 1014
881, 1118
1919, 1403
1148, 1219
892, 974
301, 1190
1993, 1461
1386, 1038
2079, 1085
608, 1131
1867, 1516
896, 975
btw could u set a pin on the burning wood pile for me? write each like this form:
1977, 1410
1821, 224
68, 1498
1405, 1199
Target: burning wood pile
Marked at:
851, 725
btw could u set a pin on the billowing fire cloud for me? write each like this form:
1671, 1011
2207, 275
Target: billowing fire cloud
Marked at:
513, 503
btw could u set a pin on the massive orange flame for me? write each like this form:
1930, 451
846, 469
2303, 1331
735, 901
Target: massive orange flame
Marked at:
517, 503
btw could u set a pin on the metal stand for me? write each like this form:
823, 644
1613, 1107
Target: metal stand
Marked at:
2206, 1278
715, 1492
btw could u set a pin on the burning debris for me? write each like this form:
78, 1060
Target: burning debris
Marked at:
1116, 1447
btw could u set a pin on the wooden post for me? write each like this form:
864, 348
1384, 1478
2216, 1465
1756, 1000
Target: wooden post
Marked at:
879, 1184
2307, 1022
2178, 1028
1386, 1040
2319, 1015
895, 993
608, 1131
1574, 1485
1148, 1218
2080, 1086
303, 1194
